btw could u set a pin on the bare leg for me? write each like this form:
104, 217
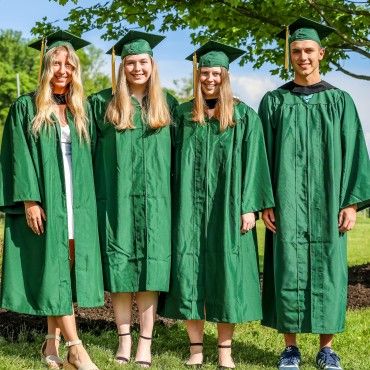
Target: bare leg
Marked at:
225, 335
147, 305
290, 340
326, 340
195, 332
52, 345
122, 303
77, 354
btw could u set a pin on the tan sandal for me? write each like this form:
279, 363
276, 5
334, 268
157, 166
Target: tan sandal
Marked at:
85, 366
51, 361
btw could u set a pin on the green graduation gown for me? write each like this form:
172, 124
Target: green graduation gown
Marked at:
319, 165
218, 177
36, 275
132, 177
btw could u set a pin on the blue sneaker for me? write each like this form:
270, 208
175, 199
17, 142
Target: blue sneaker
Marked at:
289, 359
327, 359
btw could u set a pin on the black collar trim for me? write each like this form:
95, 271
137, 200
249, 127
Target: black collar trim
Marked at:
307, 90
60, 99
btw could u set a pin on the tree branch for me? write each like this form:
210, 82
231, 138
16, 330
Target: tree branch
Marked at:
340, 34
348, 73
248, 12
344, 10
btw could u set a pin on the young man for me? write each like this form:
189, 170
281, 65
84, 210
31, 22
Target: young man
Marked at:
320, 172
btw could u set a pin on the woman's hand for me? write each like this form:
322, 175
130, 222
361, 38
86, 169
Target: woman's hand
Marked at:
34, 217
248, 222
268, 218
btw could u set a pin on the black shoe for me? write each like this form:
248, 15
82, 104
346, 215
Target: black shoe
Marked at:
220, 366
120, 359
144, 364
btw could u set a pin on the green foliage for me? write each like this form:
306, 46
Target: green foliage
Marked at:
15, 57
92, 62
183, 90
249, 24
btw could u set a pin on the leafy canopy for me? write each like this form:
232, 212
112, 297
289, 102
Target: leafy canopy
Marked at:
249, 24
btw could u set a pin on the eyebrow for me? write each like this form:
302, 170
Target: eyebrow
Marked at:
299, 49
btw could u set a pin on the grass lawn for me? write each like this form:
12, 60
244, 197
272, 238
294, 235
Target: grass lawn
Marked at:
254, 347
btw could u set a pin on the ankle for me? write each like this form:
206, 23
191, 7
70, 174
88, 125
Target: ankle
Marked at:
196, 348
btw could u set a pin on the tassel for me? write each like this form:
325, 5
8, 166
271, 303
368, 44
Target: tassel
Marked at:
114, 84
287, 56
195, 74
42, 51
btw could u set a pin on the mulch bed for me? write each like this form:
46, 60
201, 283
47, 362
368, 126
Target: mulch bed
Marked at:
101, 319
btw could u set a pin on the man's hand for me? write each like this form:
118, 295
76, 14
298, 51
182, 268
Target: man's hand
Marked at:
268, 218
347, 218
34, 216
248, 222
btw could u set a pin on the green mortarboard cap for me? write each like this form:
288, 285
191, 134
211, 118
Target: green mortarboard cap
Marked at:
59, 38
136, 42
306, 29
215, 54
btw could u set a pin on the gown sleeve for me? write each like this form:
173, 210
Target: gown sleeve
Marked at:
18, 177
355, 182
256, 182
265, 115
91, 126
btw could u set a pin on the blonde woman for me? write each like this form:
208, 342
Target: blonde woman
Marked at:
47, 193
221, 180
132, 173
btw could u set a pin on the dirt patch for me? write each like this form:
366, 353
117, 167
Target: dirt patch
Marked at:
101, 319
359, 286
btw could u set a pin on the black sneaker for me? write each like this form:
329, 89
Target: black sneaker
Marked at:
327, 359
289, 359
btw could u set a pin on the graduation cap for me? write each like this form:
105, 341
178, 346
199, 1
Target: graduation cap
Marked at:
55, 39
213, 54
133, 43
303, 29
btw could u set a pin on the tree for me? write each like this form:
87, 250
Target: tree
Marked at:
250, 24
17, 57
183, 90
91, 59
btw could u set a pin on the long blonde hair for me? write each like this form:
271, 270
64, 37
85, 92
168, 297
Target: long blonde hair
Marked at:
224, 107
45, 105
120, 111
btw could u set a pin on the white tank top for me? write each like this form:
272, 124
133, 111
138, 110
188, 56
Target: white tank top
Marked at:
65, 142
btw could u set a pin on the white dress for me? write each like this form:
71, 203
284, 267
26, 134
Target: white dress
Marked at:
66, 147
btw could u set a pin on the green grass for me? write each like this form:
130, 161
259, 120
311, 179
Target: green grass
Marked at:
254, 347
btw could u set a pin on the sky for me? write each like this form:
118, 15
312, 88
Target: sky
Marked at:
248, 84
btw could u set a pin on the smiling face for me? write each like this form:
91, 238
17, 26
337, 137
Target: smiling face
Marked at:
62, 71
138, 69
305, 56
210, 80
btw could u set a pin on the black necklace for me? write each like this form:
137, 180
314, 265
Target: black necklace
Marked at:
60, 99
211, 103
